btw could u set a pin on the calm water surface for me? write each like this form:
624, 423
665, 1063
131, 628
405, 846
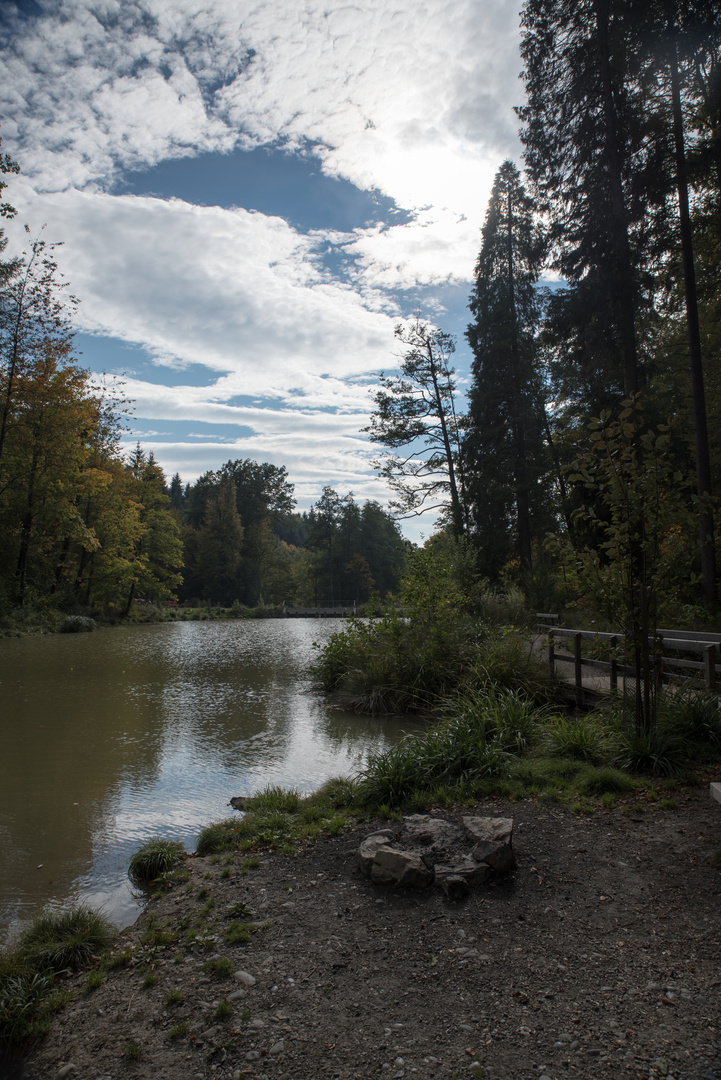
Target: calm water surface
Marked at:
110, 738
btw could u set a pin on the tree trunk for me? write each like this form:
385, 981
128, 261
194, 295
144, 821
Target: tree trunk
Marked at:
703, 461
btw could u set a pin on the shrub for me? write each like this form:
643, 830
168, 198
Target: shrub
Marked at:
77, 624
693, 714
600, 781
224, 835
154, 858
69, 938
20, 998
578, 738
661, 751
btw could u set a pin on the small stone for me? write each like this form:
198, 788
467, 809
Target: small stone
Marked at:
252, 1055
241, 802
277, 1048
210, 1034
454, 886
245, 978
67, 1070
399, 1062
237, 995
258, 1023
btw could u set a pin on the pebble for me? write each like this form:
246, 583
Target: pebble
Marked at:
67, 1070
245, 978
211, 1032
277, 1048
236, 995
252, 1055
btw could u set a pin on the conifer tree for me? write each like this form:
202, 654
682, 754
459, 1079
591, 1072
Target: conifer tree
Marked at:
503, 444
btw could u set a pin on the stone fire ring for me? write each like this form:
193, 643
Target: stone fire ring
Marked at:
432, 851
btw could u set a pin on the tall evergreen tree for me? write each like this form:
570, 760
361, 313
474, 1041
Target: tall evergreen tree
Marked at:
416, 413
503, 443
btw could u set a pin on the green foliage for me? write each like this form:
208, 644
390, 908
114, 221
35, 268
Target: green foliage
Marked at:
221, 966
155, 857
68, 938
693, 715
77, 624
277, 799
227, 835
599, 781
238, 933
179, 1030
415, 412
21, 997
660, 751
581, 738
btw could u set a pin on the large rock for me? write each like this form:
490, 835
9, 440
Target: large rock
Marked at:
400, 868
369, 848
428, 831
492, 838
475, 873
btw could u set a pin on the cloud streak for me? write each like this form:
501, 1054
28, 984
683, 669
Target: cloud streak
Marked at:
413, 101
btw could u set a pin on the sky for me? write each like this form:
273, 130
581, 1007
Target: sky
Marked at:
251, 195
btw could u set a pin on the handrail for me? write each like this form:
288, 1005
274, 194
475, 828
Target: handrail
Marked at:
670, 667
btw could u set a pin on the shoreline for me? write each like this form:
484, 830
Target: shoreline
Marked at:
598, 955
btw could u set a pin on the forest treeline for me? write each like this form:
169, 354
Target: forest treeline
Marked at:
87, 528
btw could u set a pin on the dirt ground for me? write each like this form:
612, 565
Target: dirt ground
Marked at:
598, 957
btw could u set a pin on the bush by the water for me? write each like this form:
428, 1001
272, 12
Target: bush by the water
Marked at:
154, 858
77, 624
397, 665
58, 941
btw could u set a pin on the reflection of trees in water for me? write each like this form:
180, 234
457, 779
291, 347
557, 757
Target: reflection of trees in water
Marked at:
357, 731
89, 719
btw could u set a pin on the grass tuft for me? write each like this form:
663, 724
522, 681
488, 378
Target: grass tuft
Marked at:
154, 858
68, 938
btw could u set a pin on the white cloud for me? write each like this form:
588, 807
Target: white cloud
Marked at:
414, 100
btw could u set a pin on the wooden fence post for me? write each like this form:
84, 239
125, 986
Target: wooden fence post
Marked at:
709, 655
579, 669
551, 652
614, 663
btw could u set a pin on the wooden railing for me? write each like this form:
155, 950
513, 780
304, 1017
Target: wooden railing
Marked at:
318, 612
674, 650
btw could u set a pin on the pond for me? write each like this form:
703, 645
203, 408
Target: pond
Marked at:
111, 738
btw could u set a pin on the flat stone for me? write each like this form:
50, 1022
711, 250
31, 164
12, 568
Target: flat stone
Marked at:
277, 1048
67, 1070
715, 790
369, 847
400, 868
474, 873
245, 978
488, 829
426, 830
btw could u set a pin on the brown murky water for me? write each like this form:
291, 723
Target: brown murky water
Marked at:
110, 738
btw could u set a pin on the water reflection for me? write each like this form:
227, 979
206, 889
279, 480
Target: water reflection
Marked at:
109, 738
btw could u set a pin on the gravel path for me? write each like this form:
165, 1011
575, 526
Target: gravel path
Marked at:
598, 957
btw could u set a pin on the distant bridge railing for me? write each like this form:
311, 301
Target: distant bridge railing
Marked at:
318, 612
681, 655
